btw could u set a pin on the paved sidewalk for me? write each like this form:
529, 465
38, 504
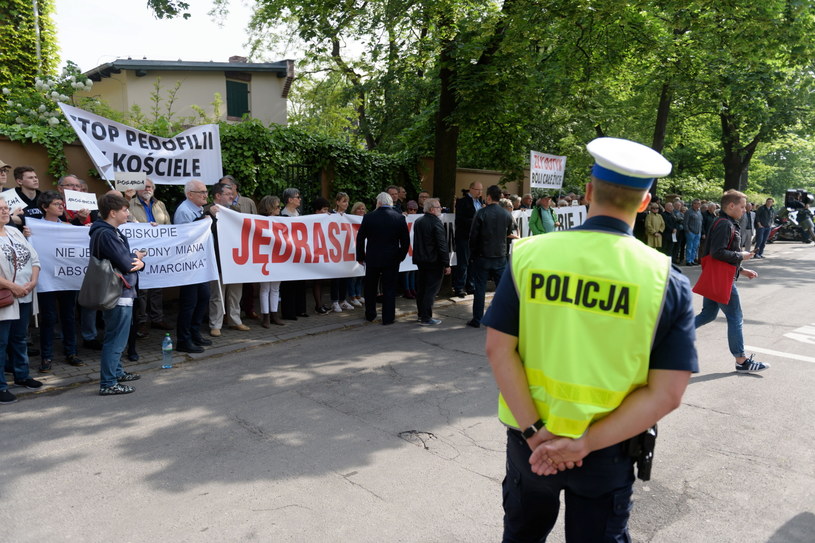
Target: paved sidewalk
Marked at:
63, 376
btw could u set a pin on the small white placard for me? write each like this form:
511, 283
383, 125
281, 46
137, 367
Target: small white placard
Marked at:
12, 199
76, 201
130, 180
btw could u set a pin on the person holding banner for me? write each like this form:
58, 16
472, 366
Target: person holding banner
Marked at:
355, 284
145, 208
28, 185
82, 217
543, 218
193, 300
107, 242
339, 285
292, 293
19, 271
269, 206
244, 205
223, 297
52, 206
78, 218
4, 169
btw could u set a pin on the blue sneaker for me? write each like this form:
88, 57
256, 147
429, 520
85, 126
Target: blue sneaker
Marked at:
430, 322
751, 366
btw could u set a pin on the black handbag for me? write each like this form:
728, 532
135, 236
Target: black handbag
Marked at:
101, 286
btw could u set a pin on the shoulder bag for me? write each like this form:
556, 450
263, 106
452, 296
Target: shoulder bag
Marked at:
6, 296
716, 280
101, 286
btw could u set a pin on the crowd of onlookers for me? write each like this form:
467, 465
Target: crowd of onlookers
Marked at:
673, 226
679, 229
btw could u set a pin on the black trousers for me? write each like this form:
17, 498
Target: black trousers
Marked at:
598, 496
428, 282
193, 307
389, 276
292, 299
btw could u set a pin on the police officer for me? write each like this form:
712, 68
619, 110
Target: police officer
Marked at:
570, 406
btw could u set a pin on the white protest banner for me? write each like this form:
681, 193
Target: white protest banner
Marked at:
115, 147
130, 180
521, 217
546, 171
254, 248
12, 199
75, 200
570, 216
180, 254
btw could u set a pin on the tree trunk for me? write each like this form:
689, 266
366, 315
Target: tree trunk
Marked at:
447, 129
661, 124
445, 163
736, 159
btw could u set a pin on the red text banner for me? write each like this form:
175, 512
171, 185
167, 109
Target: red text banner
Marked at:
254, 248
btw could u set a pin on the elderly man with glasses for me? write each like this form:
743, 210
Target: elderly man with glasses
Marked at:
193, 300
432, 256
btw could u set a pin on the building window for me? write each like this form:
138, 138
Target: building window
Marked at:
237, 99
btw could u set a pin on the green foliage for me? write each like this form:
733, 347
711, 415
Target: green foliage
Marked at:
31, 114
20, 31
168, 9
258, 158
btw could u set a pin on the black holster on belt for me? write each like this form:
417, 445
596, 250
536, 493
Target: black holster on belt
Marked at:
641, 448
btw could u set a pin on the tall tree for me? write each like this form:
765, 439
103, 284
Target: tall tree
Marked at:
758, 77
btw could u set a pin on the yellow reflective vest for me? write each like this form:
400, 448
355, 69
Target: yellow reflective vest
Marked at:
589, 307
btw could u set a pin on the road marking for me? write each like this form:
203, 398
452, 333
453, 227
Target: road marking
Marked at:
805, 334
800, 357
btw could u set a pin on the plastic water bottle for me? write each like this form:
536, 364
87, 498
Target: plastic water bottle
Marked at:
167, 352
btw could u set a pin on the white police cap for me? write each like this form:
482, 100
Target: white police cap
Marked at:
625, 162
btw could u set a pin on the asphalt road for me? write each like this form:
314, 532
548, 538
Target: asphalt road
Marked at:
380, 434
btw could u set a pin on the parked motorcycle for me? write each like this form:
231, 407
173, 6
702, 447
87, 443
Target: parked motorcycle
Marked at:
786, 229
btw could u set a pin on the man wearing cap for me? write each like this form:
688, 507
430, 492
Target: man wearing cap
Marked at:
544, 218
599, 282
4, 169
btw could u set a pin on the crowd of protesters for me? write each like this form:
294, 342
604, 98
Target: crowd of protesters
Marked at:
678, 228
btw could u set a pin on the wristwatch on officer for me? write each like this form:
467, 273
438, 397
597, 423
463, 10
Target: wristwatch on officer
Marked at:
532, 430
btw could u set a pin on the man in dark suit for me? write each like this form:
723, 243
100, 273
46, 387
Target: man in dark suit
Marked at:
388, 239
431, 256
466, 208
